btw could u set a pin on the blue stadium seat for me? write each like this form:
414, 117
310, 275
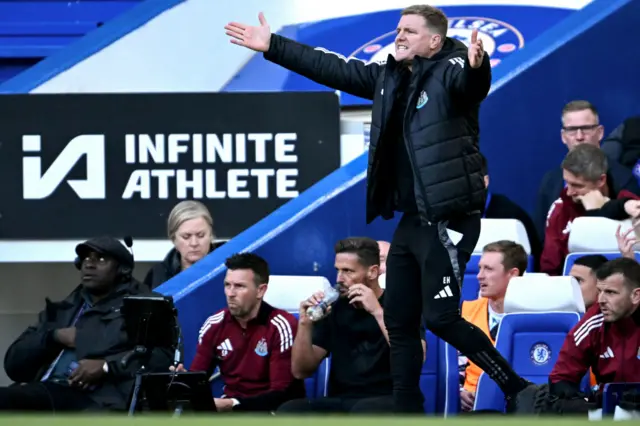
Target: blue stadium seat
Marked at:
594, 235
531, 343
439, 380
31, 30
571, 258
492, 230
540, 311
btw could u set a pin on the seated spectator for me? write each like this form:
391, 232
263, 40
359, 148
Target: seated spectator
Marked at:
500, 261
499, 206
71, 359
584, 271
607, 338
588, 193
384, 252
190, 229
250, 341
580, 125
623, 145
353, 333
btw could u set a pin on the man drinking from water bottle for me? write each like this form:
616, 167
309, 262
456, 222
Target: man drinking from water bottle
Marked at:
353, 333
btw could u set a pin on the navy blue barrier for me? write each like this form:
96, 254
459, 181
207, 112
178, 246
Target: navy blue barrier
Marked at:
60, 60
590, 55
296, 239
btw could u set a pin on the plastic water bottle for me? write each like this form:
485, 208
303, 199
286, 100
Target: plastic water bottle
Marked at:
317, 312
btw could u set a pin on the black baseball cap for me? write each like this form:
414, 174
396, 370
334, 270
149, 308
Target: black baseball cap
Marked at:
106, 245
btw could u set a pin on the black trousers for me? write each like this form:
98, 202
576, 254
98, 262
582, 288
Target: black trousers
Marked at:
378, 404
44, 396
425, 267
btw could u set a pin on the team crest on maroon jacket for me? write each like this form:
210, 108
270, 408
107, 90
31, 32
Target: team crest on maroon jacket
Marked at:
261, 347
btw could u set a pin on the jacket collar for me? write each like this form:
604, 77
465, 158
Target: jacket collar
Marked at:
79, 295
264, 313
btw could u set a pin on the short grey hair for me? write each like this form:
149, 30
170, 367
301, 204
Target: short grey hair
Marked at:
586, 161
184, 211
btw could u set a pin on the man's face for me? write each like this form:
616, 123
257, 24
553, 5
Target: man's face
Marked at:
413, 38
587, 280
99, 273
581, 127
351, 271
242, 293
617, 300
384, 252
492, 277
578, 186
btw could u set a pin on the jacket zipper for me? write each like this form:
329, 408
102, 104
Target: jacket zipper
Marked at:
405, 137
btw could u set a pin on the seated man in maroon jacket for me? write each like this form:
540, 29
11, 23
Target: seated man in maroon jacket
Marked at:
588, 192
607, 338
250, 341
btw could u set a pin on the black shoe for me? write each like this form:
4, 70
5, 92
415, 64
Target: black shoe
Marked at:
514, 401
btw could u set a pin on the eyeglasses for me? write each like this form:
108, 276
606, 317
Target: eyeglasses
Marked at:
572, 130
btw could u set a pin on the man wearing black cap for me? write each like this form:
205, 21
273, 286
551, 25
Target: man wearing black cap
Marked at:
70, 360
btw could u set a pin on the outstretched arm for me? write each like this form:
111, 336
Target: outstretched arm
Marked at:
328, 68
470, 77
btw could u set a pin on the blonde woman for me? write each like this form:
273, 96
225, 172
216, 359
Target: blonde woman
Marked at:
190, 228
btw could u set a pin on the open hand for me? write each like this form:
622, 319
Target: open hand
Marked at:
254, 38
627, 240
476, 50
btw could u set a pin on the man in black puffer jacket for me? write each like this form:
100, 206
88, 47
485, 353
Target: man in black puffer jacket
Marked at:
424, 162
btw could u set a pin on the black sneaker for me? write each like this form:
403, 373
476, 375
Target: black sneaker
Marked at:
514, 402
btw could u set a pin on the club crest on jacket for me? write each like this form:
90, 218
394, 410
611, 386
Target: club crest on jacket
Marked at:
261, 347
422, 100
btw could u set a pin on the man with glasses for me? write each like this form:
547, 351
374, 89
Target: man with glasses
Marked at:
580, 125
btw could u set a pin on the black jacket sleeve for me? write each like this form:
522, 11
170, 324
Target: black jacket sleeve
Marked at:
32, 351
331, 69
612, 144
470, 84
612, 209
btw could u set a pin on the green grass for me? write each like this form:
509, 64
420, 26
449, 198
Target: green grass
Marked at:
244, 420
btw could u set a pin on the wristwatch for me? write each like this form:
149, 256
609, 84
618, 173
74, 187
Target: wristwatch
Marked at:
105, 367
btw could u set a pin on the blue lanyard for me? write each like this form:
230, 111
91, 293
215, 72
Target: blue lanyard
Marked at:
486, 204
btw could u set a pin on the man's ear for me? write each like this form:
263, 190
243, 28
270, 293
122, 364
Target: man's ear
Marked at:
436, 40
262, 289
373, 273
601, 182
635, 296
